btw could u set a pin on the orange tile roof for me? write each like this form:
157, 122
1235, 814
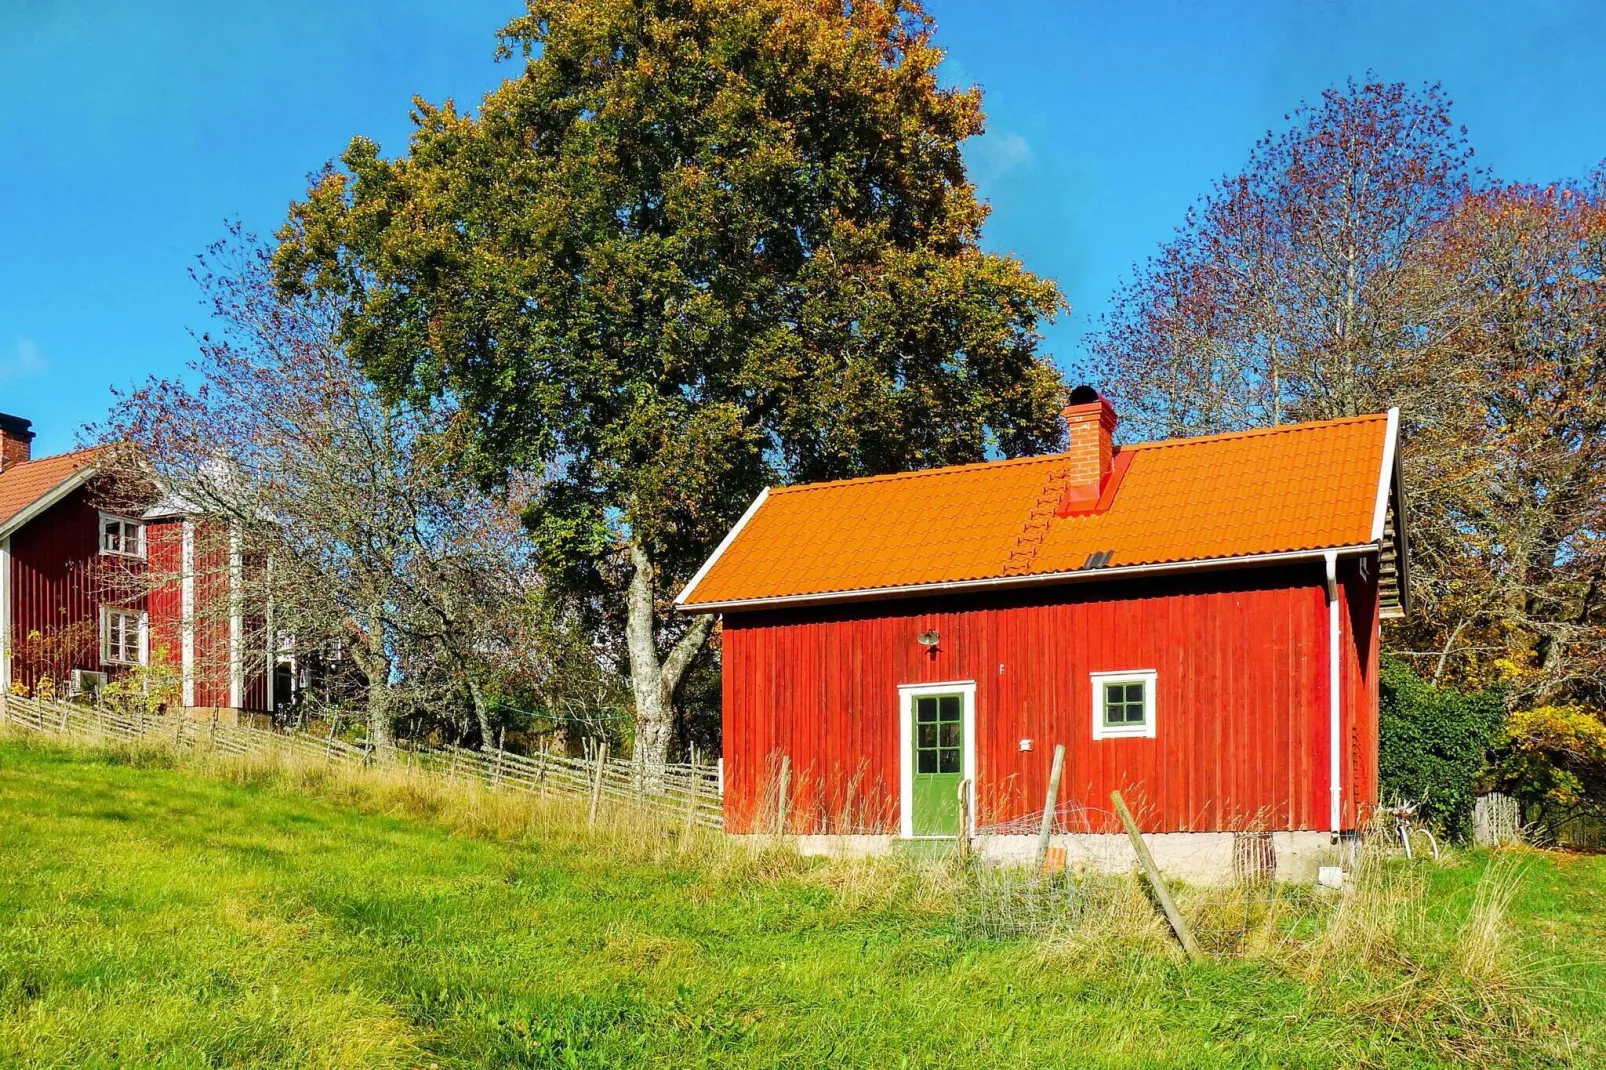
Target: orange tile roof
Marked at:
23, 484
1297, 487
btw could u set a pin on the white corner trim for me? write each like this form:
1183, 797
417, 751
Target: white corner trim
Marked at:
49, 498
187, 612
1147, 678
1385, 475
907, 693
1334, 708
5, 615
730, 537
236, 619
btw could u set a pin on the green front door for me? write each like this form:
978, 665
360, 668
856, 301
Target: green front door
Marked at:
939, 747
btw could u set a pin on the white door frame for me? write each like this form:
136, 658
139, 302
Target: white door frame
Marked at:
907, 693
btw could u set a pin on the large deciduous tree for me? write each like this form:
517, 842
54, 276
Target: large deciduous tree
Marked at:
1292, 291
334, 509
1358, 263
695, 247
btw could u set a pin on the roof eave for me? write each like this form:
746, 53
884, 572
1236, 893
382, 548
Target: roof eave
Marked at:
45, 501
1010, 582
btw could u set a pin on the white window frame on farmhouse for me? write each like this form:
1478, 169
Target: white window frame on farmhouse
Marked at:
124, 617
127, 527
1146, 677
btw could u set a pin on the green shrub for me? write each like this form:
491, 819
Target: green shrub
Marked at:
1434, 743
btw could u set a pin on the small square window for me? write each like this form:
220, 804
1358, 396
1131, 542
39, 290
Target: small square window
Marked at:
1123, 704
121, 536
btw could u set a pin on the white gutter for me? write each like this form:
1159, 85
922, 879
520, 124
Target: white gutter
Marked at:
1391, 438
729, 538
1333, 708
1008, 582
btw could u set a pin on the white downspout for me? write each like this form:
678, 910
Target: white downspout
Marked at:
1334, 720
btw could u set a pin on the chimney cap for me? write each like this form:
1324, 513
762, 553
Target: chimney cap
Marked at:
1084, 395
16, 427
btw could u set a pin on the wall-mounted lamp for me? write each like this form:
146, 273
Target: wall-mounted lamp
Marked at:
928, 639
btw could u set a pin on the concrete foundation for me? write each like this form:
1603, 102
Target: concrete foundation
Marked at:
1194, 857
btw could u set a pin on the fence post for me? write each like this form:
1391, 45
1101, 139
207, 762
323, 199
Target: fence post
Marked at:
780, 803
691, 800
1050, 803
1161, 892
540, 771
496, 772
596, 788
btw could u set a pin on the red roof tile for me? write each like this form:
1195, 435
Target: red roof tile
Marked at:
1297, 487
23, 484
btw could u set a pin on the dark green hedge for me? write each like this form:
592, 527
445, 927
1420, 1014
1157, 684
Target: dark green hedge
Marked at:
1434, 743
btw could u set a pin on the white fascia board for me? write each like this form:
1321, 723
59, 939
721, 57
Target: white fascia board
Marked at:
49, 498
1385, 475
730, 537
1039, 579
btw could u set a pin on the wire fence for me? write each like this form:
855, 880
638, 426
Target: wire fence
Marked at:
683, 791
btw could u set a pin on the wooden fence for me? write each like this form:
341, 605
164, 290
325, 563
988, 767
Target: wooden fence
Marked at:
673, 791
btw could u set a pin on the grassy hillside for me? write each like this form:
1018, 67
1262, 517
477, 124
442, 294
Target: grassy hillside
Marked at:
222, 917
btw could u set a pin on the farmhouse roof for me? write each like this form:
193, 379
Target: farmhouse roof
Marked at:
1297, 490
29, 487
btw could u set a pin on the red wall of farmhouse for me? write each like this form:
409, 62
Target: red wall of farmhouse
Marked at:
1241, 700
59, 581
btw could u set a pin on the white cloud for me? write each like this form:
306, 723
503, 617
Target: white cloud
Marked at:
23, 360
992, 156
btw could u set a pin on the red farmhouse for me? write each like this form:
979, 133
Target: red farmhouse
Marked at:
1194, 620
86, 596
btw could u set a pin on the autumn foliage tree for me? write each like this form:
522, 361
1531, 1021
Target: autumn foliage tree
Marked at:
332, 513
693, 247
1359, 263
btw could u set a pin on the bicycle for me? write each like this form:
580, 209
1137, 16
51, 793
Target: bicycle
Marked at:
1406, 827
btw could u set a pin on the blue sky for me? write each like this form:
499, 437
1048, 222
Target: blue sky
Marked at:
132, 131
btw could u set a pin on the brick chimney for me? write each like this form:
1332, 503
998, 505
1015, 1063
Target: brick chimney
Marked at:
1091, 421
16, 441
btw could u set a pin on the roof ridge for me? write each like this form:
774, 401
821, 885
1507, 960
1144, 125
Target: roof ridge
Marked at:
1041, 458
1256, 432
53, 457
917, 473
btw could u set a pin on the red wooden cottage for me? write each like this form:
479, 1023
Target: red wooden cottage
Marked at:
87, 595
1194, 620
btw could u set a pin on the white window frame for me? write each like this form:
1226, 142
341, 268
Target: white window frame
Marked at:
1147, 678
127, 522
142, 622
907, 693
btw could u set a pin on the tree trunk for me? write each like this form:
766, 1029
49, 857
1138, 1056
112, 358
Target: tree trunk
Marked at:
653, 680
482, 715
375, 665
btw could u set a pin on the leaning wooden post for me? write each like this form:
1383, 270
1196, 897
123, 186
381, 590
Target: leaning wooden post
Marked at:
596, 788
1050, 803
780, 802
1161, 892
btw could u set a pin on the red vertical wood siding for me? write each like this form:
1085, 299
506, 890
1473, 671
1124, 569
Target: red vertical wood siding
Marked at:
164, 549
1241, 706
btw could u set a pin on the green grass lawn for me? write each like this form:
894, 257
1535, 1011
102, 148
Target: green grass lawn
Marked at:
162, 917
